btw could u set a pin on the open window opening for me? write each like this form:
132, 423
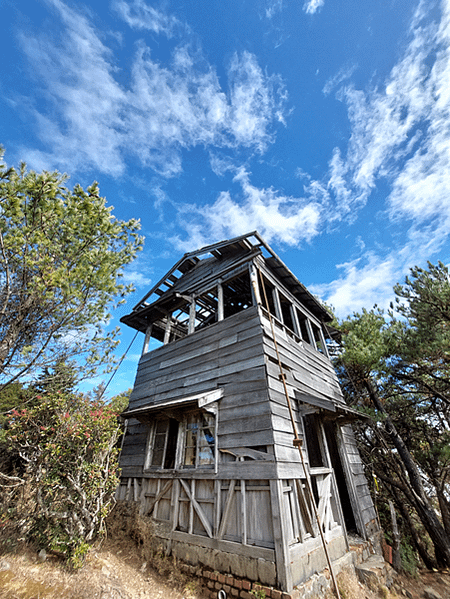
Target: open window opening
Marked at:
319, 339
304, 329
313, 446
163, 444
286, 311
268, 296
237, 294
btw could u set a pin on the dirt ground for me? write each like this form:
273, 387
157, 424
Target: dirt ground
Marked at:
123, 568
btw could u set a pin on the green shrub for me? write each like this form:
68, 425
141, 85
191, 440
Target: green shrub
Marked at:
66, 449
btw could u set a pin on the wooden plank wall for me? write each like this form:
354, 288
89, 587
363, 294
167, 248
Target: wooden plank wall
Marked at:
307, 371
366, 508
229, 355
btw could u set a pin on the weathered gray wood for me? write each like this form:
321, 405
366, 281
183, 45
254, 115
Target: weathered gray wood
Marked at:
222, 545
227, 510
284, 574
196, 506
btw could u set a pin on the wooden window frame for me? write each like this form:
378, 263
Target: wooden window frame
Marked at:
180, 443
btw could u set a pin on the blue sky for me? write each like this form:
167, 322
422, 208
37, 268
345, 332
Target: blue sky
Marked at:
322, 124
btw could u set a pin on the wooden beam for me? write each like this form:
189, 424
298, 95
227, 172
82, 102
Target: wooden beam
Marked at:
196, 506
227, 510
148, 334
220, 312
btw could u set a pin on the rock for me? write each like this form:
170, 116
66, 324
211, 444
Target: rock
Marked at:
430, 593
42, 555
144, 567
4, 565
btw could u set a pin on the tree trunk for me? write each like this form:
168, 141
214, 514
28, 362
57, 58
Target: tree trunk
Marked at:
423, 506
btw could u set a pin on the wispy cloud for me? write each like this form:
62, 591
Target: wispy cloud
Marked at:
95, 122
272, 7
342, 75
363, 279
400, 136
312, 6
285, 219
139, 15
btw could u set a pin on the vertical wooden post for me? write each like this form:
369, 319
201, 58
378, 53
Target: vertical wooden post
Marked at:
277, 303
312, 341
256, 296
296, 322
176, 503
167, 331
283, 562
220, 310
191, 328
148, 335
322, 341
244, 512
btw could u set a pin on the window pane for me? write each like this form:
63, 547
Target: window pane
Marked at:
199, 449
159, 442
206, 441
190, 447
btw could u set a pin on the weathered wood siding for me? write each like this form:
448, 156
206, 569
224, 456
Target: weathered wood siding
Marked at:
229, 355
365, 504
307, 373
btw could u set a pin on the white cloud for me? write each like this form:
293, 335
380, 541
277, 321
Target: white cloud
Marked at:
312, 6
401, 130
138, 14
362, 280
94, 122
277, 217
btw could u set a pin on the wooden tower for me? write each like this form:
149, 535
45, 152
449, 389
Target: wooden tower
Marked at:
209, 450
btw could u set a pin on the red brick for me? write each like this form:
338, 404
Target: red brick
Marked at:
247, 586
226, 588
235, 592
210, 584
237, 583
229, 580
276, 594
214, 576
221, 578
206, 574
218, 585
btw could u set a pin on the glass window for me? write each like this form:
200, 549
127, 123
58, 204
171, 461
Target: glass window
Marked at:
199, 444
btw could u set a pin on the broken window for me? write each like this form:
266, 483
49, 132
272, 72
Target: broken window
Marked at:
199, 442
194, 434
163, 444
